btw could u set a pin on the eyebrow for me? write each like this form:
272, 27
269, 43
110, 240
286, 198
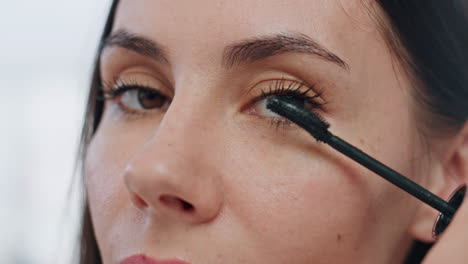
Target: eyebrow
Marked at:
262, 47
139, 44
243, 52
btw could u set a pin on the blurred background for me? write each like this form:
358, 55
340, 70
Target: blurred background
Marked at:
46, 52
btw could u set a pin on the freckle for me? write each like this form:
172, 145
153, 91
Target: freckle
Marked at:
361, 141
338, 237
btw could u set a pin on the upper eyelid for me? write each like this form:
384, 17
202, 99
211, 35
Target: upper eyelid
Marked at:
117, 63
294, 84
147, 83
120, 89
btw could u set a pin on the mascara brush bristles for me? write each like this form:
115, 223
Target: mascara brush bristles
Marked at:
288, 107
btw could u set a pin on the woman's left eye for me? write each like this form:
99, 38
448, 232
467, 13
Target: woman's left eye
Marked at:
308, 99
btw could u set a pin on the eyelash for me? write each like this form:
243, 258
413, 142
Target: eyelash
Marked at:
292, 90
112, 90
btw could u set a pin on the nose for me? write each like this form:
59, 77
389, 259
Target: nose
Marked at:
174, 175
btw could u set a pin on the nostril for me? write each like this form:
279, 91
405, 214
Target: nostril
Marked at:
186, 206
138, 201
172, 201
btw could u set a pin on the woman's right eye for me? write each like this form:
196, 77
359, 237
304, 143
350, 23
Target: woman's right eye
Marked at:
140, 98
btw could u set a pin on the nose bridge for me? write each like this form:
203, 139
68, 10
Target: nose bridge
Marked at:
192, 120
185, 122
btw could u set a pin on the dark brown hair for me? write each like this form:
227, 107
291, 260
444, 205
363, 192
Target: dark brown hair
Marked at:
429, 38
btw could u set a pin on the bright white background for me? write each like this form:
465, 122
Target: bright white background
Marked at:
46, 51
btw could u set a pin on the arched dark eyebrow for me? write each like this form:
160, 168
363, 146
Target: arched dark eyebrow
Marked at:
136, 43
246, 51
261, 47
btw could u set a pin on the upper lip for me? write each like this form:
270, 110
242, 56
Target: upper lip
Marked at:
142, 259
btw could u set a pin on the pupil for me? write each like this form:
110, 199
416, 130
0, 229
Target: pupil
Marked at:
150, 99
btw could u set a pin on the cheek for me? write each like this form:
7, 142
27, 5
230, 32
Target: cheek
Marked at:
104, 186
110, 150
303, 203
108, 154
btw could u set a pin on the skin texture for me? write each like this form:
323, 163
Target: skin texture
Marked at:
258, 193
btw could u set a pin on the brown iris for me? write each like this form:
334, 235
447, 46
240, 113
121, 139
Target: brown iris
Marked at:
151, 99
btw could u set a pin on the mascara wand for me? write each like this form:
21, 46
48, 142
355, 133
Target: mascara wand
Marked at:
318, 128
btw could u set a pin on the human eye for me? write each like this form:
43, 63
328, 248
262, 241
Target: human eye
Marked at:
134, 97
305, 95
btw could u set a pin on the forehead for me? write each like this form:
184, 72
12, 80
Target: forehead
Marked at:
205, 26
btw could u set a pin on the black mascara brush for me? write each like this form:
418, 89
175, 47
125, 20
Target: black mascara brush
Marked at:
318, 128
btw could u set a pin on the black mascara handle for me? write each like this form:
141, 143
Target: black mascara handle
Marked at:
392, 176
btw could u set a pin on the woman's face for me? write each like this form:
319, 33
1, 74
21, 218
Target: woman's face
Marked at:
204, 172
